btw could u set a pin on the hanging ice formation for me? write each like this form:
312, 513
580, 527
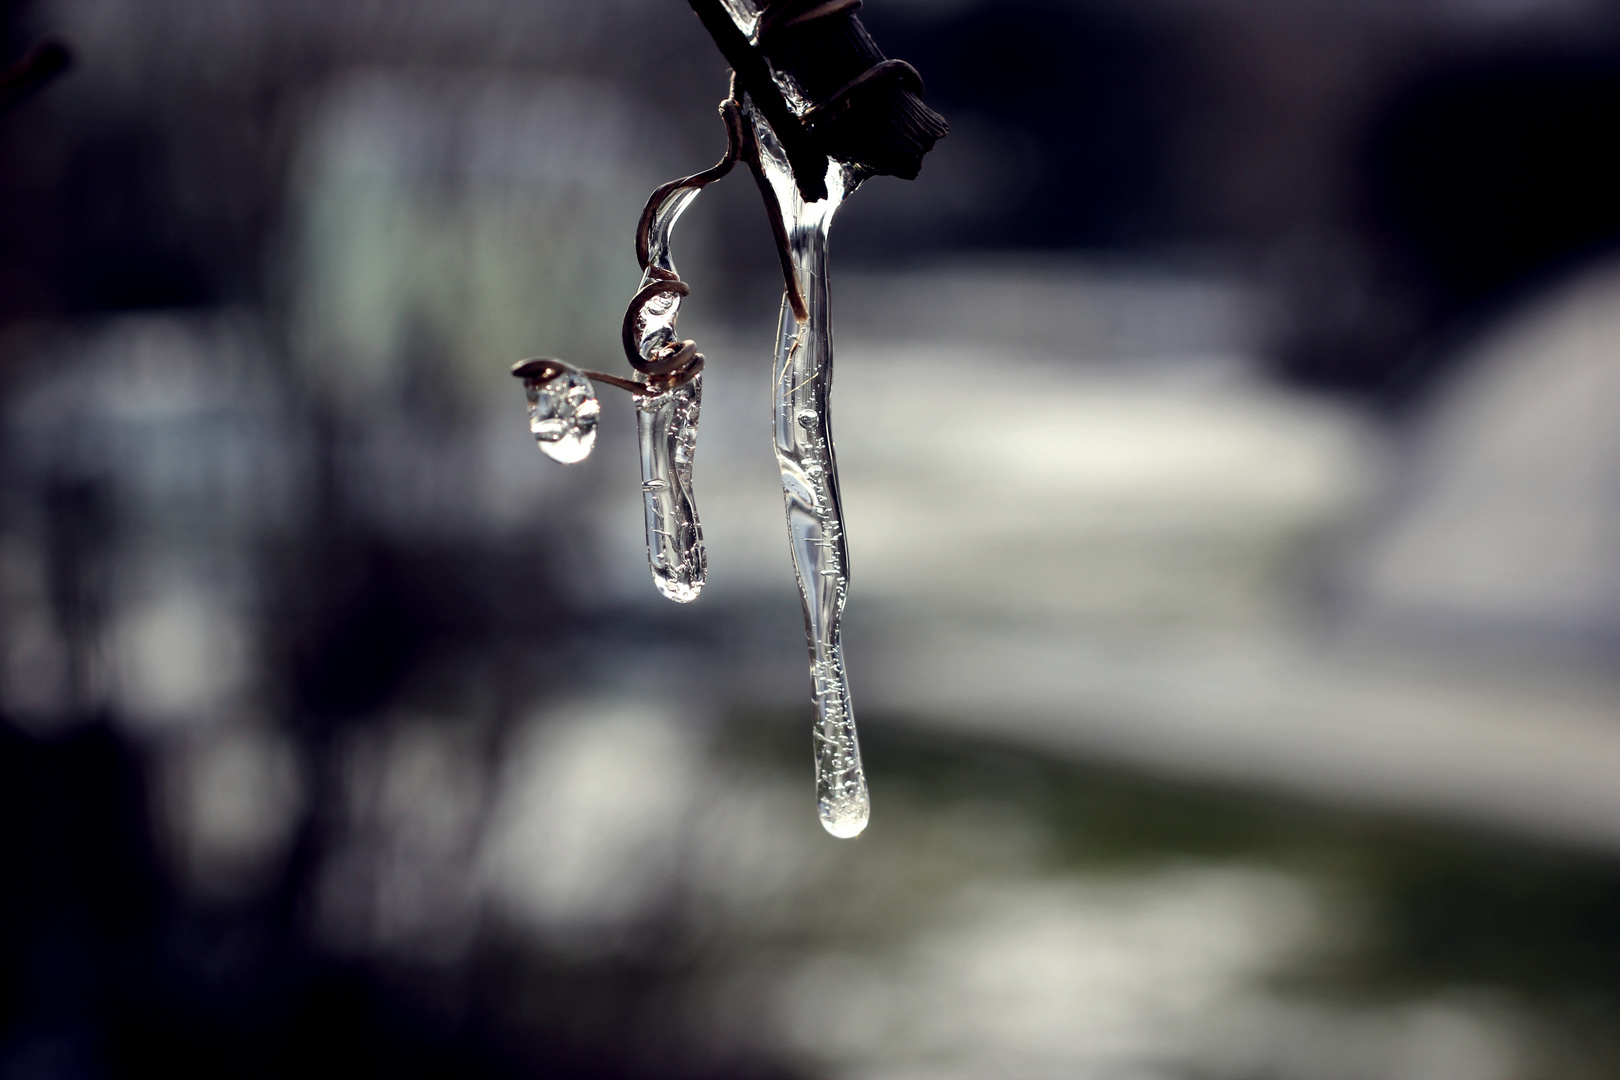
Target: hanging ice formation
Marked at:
802, 430
814, 110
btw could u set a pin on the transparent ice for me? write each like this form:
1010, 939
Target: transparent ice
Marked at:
804, 452
666, 426
563, 413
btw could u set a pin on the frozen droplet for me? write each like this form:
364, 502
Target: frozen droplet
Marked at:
563, 412
848, 818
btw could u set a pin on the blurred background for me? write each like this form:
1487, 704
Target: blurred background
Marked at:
1229, 418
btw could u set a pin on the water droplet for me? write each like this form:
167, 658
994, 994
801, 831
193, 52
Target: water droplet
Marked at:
807, 418
563, 414
654, 484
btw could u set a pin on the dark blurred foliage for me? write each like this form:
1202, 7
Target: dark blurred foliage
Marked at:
108, 974
1093, 89
1394, 179
1398, 185
1493, 177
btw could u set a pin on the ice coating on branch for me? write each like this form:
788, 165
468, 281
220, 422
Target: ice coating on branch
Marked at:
666, 427
563, 413
664, 217
802, 375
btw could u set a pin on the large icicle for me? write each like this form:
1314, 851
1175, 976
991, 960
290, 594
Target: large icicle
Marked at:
804, 452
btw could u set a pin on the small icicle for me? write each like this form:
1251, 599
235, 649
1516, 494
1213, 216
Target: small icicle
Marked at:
667, 419
563, 410
666, 425
804, 452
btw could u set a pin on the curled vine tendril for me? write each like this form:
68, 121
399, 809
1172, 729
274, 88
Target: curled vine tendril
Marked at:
674, 362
